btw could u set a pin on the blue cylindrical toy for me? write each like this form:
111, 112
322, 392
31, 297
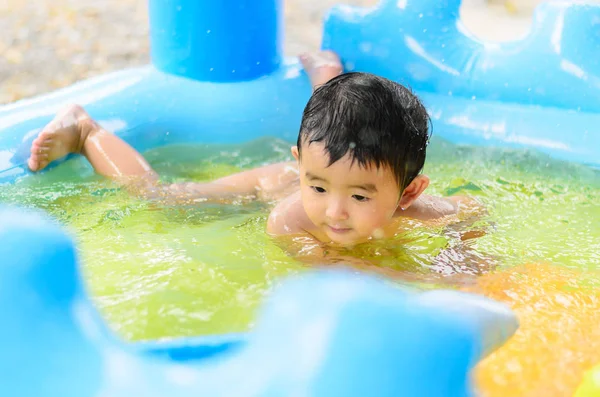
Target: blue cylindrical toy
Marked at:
189, 38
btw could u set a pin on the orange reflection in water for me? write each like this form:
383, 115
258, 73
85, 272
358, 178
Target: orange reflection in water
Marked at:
559, 336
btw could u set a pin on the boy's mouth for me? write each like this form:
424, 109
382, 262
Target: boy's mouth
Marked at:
339, 230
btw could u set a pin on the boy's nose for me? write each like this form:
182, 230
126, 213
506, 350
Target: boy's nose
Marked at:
336, 210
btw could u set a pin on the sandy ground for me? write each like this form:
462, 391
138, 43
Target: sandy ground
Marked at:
48, 44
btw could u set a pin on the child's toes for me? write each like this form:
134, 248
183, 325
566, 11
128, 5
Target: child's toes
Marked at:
33, 163
38, 152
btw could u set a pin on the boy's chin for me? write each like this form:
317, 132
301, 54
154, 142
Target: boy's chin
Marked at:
349, 240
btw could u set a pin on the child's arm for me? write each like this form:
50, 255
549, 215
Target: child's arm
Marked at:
457, 265
306, 249
311, 252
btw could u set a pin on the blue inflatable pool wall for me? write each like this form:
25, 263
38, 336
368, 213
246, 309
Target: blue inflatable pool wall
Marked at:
324, 334
542, 92
218, 75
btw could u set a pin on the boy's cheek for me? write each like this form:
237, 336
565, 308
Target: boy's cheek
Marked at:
311, 207
373, 222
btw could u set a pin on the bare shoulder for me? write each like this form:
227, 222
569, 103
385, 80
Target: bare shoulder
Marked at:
431, 207
288, 217
468, 206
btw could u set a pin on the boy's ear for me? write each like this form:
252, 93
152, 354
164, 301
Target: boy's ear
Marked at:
413, 191
295, 153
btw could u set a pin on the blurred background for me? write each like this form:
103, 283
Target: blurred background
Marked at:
48, 44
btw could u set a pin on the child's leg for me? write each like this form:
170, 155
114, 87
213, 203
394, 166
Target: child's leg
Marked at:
73, 131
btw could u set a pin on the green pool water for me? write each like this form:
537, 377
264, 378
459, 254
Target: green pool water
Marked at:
164, 271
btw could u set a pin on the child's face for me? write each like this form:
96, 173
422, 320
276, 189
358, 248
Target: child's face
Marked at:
347, 202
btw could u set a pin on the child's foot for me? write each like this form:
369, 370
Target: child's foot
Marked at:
65, 134
321, 66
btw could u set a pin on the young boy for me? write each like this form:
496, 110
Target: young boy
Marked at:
359, 155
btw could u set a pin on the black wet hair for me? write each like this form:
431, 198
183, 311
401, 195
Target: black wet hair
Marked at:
378, 121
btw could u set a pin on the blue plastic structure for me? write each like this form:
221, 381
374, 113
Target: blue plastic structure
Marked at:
326, 334
218, 75
228, 41
541, 92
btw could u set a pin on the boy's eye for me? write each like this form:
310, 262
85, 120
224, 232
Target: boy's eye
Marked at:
318, 189
360, 198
